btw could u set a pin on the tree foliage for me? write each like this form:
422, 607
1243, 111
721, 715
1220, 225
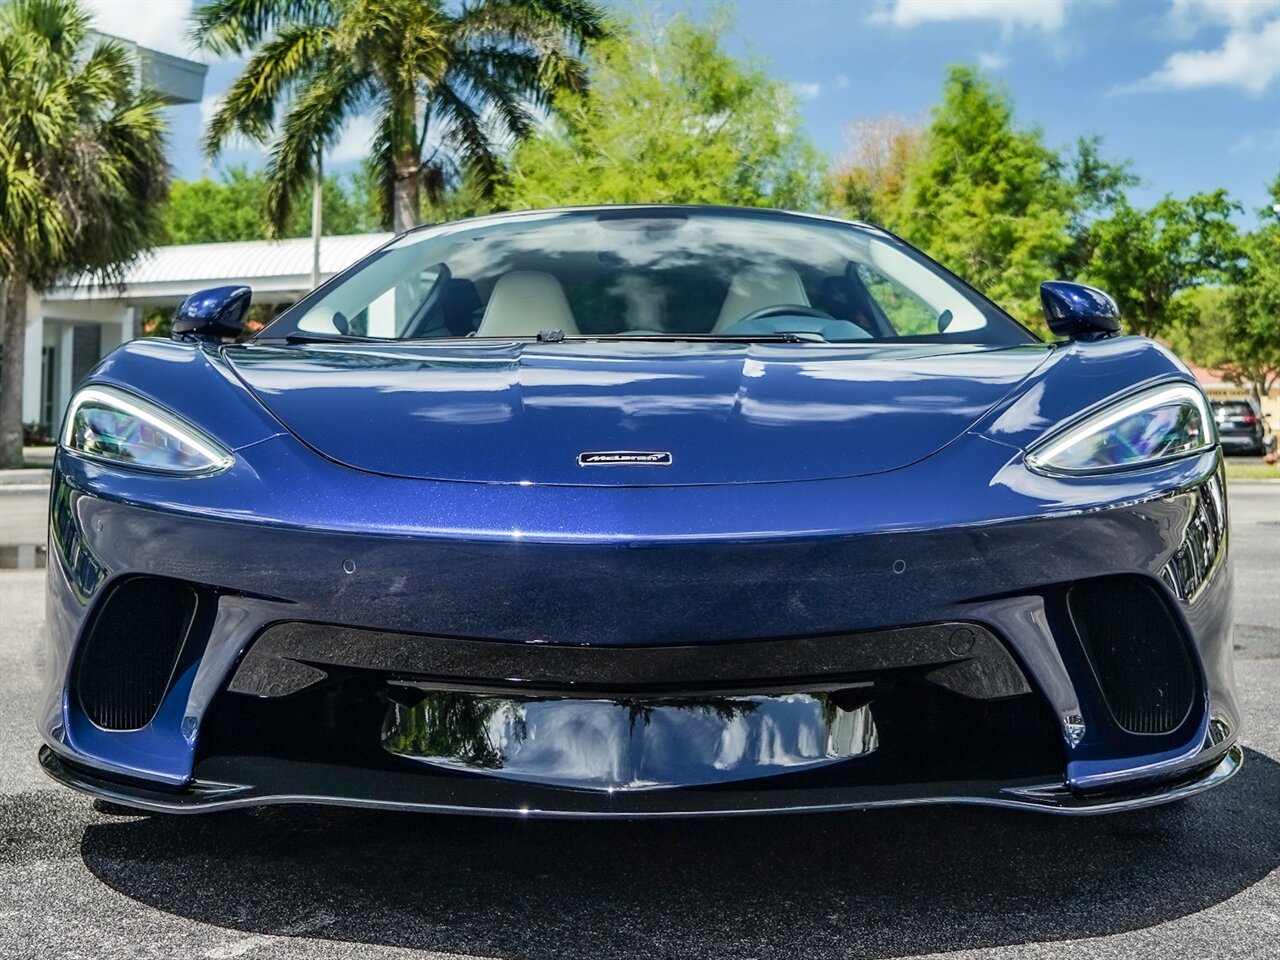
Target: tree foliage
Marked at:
1146, 258
448, 85
229, 208
1236, 329
82, 168
671, 117
987, 199
975, 191
870, 177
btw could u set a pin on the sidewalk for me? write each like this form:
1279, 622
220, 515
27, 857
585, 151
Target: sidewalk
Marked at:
23, 481
38, 456
31, 478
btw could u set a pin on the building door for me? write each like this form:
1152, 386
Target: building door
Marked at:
48, 391
86, 350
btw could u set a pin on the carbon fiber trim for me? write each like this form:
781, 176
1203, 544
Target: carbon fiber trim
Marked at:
963, 657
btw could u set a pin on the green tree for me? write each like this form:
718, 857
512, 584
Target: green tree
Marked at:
1255, 304
671, 117
988, 200
229, 208
447, 85
210, 211
1146, 258
1236, 330
1097, 188
82, 169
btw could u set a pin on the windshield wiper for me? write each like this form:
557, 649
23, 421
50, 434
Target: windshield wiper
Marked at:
559, 336
783, 337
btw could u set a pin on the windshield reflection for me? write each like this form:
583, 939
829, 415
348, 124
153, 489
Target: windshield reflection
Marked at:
648, 272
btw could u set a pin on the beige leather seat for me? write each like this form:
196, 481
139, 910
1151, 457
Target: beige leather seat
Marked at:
524, 303
754, 288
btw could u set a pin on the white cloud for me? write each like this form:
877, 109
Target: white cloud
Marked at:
807, 91
1249, 59
1257, 140
1232, 13
842, 81
158, 24
238, 147
353, 145
210, 105
991, 61
1041, 14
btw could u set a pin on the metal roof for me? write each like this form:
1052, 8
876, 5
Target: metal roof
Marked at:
268, 266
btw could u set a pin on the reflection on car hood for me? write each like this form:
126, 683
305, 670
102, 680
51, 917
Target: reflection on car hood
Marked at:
498, 411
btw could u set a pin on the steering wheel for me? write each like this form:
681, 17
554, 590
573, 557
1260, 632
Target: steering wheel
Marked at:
783, 310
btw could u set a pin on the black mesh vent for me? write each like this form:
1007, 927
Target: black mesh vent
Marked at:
1137, 652
130, 651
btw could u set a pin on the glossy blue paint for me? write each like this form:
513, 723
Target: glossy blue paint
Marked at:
1078, 312
214, 314
814, 489
512, 412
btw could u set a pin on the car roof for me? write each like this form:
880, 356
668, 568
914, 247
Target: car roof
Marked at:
720, 209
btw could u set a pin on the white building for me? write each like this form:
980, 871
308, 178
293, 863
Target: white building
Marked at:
71, 328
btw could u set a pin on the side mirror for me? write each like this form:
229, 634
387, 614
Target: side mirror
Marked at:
214, 314
1078, 312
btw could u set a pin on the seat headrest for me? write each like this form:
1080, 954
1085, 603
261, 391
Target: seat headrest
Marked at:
759, 286
525, 302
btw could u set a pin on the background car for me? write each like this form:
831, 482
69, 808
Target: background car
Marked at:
1242, 428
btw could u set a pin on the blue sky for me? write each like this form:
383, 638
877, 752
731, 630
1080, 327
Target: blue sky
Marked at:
1189, 90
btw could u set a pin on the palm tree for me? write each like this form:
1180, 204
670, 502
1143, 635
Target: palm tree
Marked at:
82, 169
447, 85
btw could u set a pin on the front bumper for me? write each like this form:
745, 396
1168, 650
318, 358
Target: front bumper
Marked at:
292, 783
1006, 578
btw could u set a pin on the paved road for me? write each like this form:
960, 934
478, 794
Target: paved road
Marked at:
24, 511
1202, 880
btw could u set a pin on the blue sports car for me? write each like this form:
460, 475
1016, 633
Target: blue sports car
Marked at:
640, 511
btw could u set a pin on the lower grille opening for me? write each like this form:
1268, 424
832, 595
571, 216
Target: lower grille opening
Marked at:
129, 652
1138, 653
923, 734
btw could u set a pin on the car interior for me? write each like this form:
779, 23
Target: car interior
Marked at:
638, 281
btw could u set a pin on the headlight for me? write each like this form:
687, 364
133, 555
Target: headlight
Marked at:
110, 424
1159, 424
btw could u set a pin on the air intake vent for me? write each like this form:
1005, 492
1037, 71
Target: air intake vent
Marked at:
1137, 652
131, 649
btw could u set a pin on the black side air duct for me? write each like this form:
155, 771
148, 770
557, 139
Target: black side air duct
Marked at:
130, 650
1137, 650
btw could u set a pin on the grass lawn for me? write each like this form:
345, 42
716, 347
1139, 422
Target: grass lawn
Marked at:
1252, 470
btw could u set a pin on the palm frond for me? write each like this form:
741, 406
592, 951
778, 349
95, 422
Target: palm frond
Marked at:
381, 165
237, 26
81, 149
538, 23
314, 122
479, 69
248, 108
496, 85
465, 132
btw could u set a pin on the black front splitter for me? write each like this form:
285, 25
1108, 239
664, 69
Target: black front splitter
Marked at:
312, 783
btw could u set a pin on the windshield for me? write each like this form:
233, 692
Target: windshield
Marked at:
649, 272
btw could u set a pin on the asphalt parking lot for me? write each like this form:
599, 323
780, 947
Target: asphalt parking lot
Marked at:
1198, 880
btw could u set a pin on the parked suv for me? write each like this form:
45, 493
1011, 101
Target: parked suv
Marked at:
1241, 427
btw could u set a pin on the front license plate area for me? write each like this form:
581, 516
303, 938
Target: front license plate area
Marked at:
601, 744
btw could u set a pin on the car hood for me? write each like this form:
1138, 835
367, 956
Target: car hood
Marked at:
504, 412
